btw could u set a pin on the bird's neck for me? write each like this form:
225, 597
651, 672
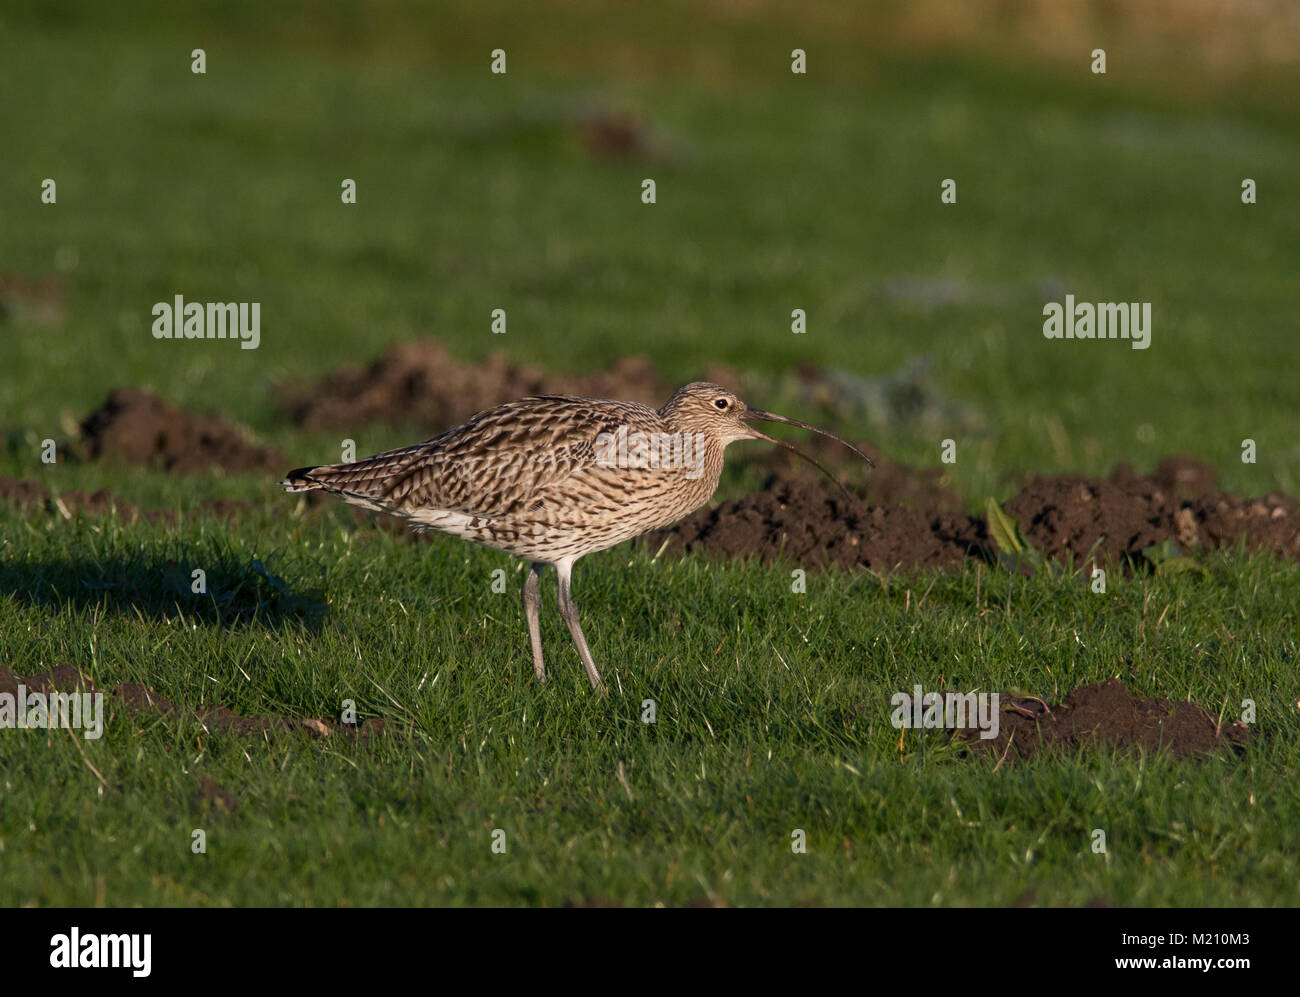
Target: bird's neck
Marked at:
705, 450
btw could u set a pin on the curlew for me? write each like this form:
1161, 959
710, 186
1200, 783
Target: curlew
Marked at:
550, 478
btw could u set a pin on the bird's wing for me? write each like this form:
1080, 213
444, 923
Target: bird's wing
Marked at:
504, 459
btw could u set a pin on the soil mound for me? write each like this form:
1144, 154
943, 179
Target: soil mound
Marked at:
1106, 714
422, 383
1125, 513
801, 521
908, 518
138, 427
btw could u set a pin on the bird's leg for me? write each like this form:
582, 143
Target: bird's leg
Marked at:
532, 607
569, 613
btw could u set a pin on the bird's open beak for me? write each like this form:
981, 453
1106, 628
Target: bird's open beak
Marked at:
753, 413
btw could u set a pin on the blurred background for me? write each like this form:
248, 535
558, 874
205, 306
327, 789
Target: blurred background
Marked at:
775, 192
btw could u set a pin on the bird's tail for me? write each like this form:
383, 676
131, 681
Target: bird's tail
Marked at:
300, 479
366, 481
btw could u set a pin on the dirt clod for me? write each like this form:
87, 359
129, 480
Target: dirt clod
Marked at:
138, 427
422, 383
1107, 715
1125, 513
803, 522
909, 518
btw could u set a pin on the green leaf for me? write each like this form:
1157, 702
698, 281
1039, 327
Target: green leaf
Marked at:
1005, 530
1015, 552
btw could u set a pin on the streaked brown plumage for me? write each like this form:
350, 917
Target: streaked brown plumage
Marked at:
543, 478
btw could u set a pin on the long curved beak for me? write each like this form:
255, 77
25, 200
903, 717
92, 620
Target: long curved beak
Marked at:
753, 413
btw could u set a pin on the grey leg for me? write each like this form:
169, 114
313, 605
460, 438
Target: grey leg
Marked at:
569, 613
532, 607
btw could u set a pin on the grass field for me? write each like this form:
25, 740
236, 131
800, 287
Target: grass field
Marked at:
775, 192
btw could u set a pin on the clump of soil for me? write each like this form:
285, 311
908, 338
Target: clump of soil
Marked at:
909, 517
422, 383
901, 517
1125, 513
803, 522
138, 427
33, 496
888, 483
141, 699
1106, 715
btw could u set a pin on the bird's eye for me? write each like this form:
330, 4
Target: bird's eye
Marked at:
722, 403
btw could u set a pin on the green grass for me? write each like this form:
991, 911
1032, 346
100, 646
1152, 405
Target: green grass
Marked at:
818, 192
772, 715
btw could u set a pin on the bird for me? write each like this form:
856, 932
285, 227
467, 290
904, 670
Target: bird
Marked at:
552, 478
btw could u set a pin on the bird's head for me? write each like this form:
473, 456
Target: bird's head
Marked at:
701, 407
